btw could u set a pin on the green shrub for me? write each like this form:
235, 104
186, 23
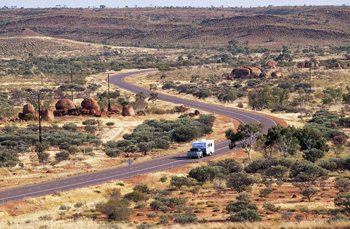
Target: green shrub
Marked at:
45, 217
110, 205
90, 122
239, 181
61, 156
243, 197
120, 213
245, 215
265, 192
90, 129
163, 179
70, 126
112, 152
151, 215
109, 123
185, 218
78, 205
136, 196
270, 207
141, 188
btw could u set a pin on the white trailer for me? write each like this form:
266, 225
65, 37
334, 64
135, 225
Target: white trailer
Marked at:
206, 146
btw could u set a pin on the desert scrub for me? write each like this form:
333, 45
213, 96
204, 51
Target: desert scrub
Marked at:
151, 215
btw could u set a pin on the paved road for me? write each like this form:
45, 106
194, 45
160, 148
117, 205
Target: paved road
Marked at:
162, 163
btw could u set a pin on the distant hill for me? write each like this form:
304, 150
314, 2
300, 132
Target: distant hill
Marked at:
191, 27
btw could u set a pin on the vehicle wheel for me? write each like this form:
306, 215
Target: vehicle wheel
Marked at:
188, 158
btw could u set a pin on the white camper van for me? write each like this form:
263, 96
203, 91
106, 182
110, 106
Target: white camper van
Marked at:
201, 148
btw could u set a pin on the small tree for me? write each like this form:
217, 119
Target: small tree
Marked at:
265, 192
179, 181
313, 155
343, 200
245, 215
342, 184
271, 207
309, 193
40, 149
239, 181
245, 136
153, 97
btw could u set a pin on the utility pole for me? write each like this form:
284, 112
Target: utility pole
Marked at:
71, 82
109, 97
38, 94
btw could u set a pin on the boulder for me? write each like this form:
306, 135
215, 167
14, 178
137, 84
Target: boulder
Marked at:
301, 65
104, 109
229, 77
28, 109
114, 109
254, 71
47, 115
271, 64
90, 104
239, 72
141, 113
277, 74
64, 104
3, 121
84, 111
58, 113
128, 111
196, 112
75, 112
337, 65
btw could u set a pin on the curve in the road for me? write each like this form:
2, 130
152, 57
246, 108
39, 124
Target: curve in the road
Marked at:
136, 169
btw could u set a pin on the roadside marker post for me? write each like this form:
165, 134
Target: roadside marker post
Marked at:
129, 161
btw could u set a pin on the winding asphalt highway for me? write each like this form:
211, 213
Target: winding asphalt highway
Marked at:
136, 169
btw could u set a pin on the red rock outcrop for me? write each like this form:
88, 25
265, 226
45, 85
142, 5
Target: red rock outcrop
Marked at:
128, 111
277, 74
3, 121
337, 65
47, 115
239, 72
271, 64
90, 104
28, 109
114, 109
141, 113
64, 104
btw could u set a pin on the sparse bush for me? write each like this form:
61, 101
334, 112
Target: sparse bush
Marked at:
110, 205
112, 152
309, 193
136, 196
45, 217
179, 181
265, 192
270, 207
78, 205
342, 184
90, 129
109, 123
243, 197
141, 188
120, 214
186, 218
70, 126
239, 181
245, 215
163, 179
90, 122
61, 156
151, 215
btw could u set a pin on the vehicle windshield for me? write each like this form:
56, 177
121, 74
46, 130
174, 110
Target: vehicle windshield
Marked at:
194, 149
